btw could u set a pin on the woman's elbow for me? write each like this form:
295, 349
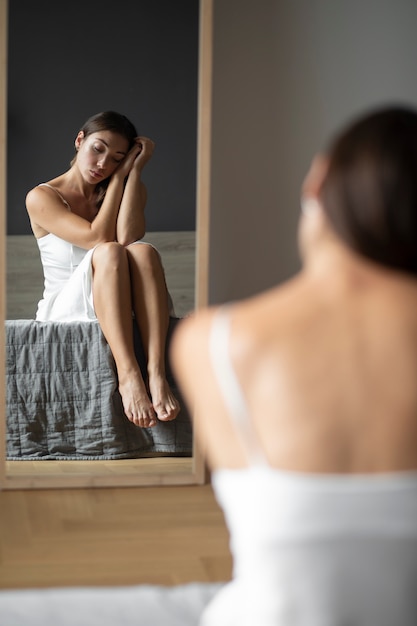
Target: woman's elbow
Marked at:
98, 239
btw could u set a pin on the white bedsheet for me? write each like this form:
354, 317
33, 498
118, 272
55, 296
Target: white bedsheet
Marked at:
142, 605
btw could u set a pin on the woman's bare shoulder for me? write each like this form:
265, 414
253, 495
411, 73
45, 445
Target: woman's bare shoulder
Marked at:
272, 309
191, 334
275, 311
39, 193
43, 197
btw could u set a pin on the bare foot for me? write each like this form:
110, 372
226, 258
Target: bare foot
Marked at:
164, 402
136, 402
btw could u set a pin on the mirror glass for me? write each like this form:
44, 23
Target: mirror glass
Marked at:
65, 63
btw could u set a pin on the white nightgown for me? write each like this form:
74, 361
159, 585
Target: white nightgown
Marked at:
308, 549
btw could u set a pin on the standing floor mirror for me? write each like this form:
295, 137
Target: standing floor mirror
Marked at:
158, 470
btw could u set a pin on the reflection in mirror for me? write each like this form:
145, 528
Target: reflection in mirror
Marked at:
158, 92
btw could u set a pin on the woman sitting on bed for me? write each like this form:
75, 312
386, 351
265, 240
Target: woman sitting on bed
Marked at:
88, 222
305, 401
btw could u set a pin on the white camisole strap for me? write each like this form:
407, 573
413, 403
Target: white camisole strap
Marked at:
56, 191
230, 388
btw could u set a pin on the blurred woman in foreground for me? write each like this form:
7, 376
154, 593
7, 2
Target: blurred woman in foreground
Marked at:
305, 401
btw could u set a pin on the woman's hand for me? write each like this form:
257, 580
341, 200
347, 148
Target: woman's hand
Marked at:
137, 157
147, 147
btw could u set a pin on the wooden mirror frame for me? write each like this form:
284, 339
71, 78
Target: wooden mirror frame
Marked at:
187, 470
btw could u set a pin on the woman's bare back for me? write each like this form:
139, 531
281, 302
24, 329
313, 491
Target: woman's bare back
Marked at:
330, 373
328, 369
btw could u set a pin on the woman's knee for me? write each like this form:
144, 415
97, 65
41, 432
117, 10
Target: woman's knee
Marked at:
145, 254
109, 255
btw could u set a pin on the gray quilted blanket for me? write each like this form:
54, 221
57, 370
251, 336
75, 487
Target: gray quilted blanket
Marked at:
62, 399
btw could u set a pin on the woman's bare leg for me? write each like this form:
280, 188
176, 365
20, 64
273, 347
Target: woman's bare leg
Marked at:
113, 306
150, 304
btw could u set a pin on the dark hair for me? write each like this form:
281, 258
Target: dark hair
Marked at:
115, 122
110, 120
369, 193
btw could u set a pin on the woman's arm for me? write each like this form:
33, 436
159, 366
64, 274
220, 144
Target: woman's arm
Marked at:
131, 218
48, 214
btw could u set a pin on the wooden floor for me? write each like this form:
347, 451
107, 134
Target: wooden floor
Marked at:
118, 536
156, 535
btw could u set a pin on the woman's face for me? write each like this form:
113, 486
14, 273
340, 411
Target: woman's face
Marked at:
99, 154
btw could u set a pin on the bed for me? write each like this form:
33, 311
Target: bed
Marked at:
62, 401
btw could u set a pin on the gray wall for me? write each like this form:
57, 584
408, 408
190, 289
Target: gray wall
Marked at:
69, 60
286, 73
